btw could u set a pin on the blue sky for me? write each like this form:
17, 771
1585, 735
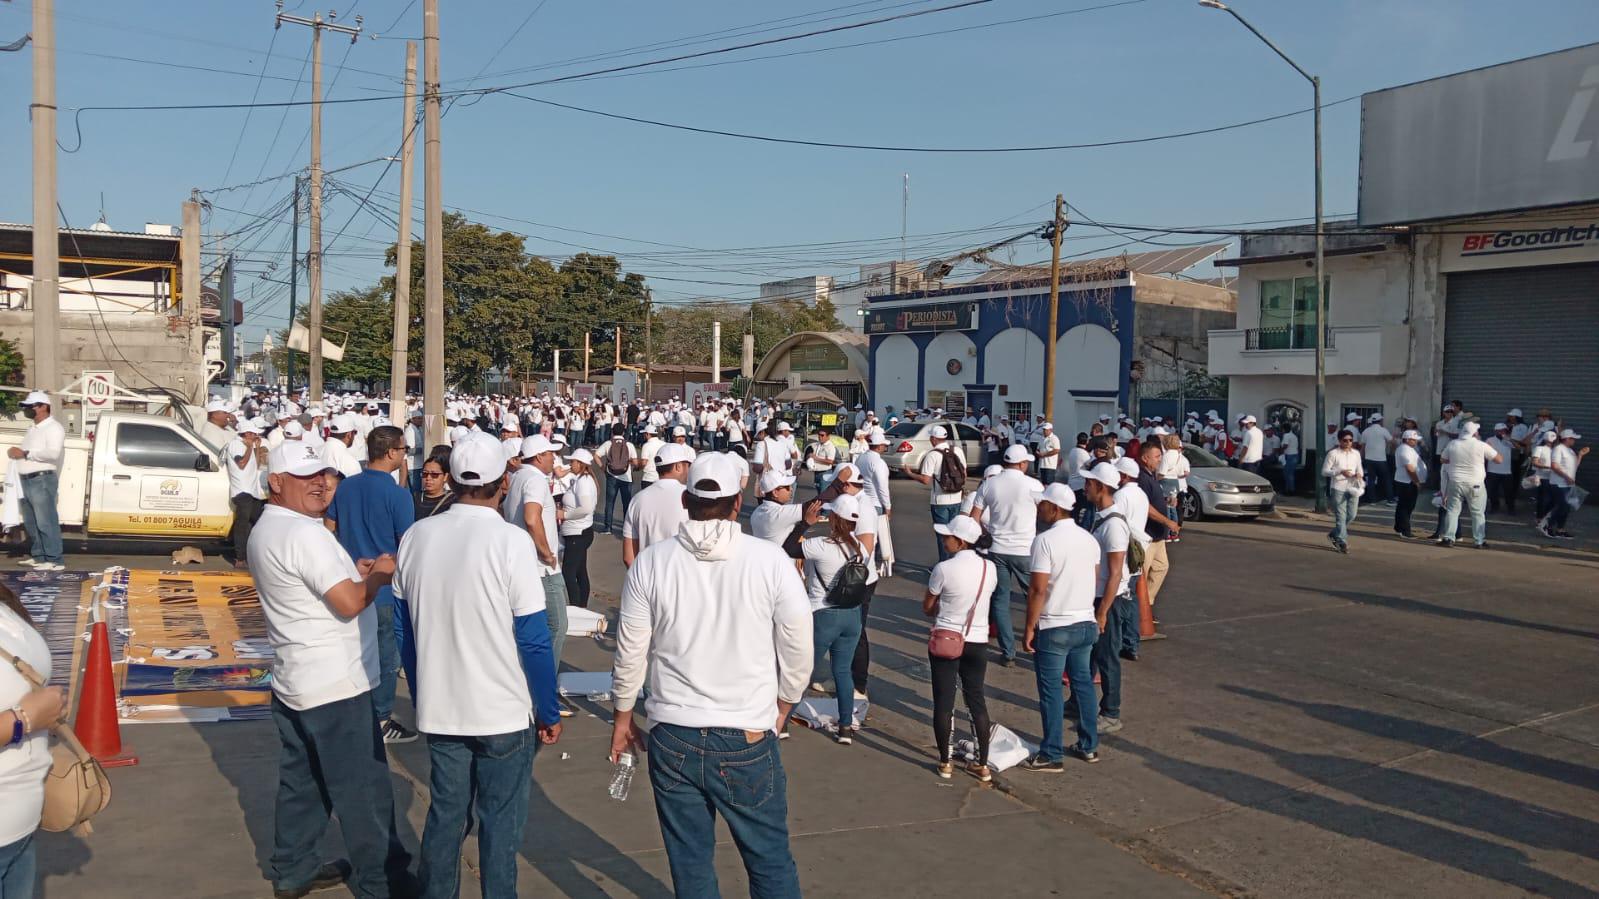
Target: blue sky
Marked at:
1138, 69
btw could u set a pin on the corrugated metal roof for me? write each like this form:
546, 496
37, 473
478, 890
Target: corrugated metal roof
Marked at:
1158, 262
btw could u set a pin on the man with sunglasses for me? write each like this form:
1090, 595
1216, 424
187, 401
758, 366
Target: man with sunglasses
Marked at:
1345, 472
38, 459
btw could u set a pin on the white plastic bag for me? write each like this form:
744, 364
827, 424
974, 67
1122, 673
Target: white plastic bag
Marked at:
1575, 497
821, 712
1005, 748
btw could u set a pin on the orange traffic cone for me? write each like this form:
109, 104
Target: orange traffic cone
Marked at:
96, 722
1146, 612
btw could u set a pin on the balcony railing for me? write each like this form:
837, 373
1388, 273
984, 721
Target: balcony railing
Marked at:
1287, 337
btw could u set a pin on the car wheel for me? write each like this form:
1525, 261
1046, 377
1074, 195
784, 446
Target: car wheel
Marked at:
1192, 508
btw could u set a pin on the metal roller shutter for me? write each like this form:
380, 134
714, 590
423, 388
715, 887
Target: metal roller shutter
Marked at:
1526, 337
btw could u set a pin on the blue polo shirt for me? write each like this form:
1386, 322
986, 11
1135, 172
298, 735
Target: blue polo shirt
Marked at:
372, 513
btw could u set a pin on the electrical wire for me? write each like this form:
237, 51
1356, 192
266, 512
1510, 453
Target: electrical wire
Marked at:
254, 95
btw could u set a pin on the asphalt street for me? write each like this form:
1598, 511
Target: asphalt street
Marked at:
1405, 720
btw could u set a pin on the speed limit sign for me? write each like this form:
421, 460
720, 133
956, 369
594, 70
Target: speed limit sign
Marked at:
99, 389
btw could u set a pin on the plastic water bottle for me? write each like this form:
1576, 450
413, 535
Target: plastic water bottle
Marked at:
622, 776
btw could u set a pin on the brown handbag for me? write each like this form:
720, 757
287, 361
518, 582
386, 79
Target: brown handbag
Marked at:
76, 789
944, 643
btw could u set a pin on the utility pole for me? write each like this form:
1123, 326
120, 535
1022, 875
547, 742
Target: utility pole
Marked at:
433, 232
189, 259
45, 297
586, 350
557, 372
716, 352
225, 317
402, 249
649, 345
618, 363
314, 259
294, 289
1057, 229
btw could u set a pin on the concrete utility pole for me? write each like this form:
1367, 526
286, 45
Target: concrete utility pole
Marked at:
433, 232
1054, 306
314, 259
746, 362
716, 352
618, 362
402, 249
189, 260
294, 288
649, 344
587, 349
45, 297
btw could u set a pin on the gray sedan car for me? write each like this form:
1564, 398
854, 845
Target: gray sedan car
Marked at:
1218, 490
909, 441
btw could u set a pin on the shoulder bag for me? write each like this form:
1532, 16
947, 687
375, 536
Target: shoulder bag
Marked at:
944, 643
76, 788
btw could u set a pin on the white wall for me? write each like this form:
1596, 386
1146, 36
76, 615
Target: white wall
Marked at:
1015, 358
1087, 357
1366, 290
896, 373
946, 346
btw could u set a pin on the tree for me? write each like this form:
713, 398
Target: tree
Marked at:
683, 333
13, 369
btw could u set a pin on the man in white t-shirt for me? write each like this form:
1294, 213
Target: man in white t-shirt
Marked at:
1290, 455
1252, 445
1410, 473
1061, 629
1564, 459
1007, 505
946, 504
1112, 585
657, 510
652, 444
823, 458
776, 516
720, 625
317, 603
461, 579
1467, 459
244, 485
1444, 432
619, 459
337, 450
1374, 443
531, 504
1048, 453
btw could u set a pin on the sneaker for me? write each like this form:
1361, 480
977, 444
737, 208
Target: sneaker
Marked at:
859, 696
1484, 545
49, 566
395, 732
329, 876
1109, 725
566, 707
1128, 655
1048, 766
946, 770
983, 773
822, 688
30, 562
841, 736
1086, 755
1343, 547
782, 735
1564, 535
1442, 542
1334, 541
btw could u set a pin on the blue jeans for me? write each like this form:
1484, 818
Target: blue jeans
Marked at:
490, 776
943, 515
18, 867
1345, 506
615, 487
1290, 469
837, 633
1059, 651
40, 519
1475, 497
331, 761
388, 660
1006, 569
555, 614
1106, 660
1125, 609
698, 773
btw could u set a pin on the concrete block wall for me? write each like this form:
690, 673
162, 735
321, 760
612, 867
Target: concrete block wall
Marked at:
143, 350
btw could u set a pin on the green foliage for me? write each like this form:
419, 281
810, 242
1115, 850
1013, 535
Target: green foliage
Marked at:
1196, 383
13, 369
683, 333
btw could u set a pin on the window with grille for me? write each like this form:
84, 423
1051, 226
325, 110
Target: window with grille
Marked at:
1019, 412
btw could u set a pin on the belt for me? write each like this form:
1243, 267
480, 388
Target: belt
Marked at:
36, 474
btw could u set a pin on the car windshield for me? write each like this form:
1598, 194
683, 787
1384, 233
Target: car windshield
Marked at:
1199, 458
905, 429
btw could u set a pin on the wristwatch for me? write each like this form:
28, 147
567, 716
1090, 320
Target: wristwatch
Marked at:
18, 729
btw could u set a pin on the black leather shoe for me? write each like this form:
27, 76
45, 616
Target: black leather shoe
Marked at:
1129, 655
329, 876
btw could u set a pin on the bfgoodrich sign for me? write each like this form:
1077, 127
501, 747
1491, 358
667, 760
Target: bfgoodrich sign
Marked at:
1519, 242
1516, 136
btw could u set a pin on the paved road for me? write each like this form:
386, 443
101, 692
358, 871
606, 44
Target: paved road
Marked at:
1404, 720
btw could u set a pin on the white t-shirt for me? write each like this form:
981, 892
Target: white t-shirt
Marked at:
823, 560
1406, 456
1542, 453
604, 452
1254, 440
655, 513
1133, 503
773, 521
579, 501
463, 574
932, 464
1009, 501
875, 472
1290, 444
1076, 458
822, 452
1046, 444
647, 451
1113, 536
1070, 556
1375, 442
1567, 460
774, 453
1467, 458
959, 581
340, 457
723, 637
242, 480
1503, 447
22, 767
1340, 460
320, 657
1445, 432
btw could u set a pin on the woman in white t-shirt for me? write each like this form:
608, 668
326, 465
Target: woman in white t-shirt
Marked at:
958, 593
837, 629
29, 712
1174, 470
577, 525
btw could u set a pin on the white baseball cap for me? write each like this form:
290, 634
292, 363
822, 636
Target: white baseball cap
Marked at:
855, 476
962, 526
476, 461
1048, 426
1376, 416
784, 426
1569, 433
1059, 494
774, 478
1470, 428
36, 398
939, 432
1410, 435
877, 438
992, 470
249, 426
216, 406
1250, 419
846, 506
679, 431
673, 453
712, 476
649, 429
1105, 473
536, 445
1501, 426
1516, 412
1353, 416
293, 429
1127, 466
296, 458
342, 424
1017, 453
581, 455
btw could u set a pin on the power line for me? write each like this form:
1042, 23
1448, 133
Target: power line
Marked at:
254, 95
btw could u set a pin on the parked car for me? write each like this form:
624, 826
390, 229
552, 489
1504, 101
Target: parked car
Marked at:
1219, 490
908, 442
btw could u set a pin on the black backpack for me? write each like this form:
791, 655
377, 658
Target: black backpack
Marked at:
952, 473
850, 589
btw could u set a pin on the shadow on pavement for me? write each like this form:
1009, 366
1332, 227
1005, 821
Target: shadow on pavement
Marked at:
66, 857
1435, 738
1420, 839
575, 843
1402, 604
1423, 525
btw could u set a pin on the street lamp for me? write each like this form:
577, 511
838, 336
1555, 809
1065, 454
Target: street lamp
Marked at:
1321, 282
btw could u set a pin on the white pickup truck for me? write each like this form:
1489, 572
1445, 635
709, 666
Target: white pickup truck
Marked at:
137, 475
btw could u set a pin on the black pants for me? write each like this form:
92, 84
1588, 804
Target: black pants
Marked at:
1518, 467
863, 649
1406, 506
575, 567
246, 509
971, 667
1499, 491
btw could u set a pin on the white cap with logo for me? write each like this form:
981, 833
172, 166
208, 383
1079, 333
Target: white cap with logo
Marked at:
297, 458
